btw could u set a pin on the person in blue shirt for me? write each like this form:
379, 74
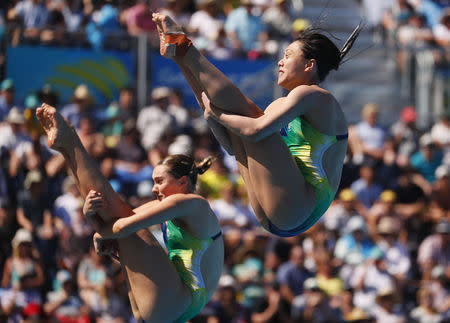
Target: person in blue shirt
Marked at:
427, 159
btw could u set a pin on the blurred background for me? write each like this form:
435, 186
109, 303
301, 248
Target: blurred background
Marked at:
380, 253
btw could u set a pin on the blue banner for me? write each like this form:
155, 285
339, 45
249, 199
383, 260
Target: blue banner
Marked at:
105, 73
256, 79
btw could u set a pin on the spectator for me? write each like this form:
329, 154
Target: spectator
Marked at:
64, 303
246, 32
426, 161
441, 31
103, 24
326, 277
176, 10
396, 253
425, 311
7, 98
434, 250
127, 104
226, 307
33, 14
292, 275
207, 22
82, 104
354, 247
406, 135
367, 137
138, 18
21, 302
385, 309
440, 133
369, 279
91, 137
366, 188
91, 280
341, 210
312, 305
66, 206
112, 127
12, 134
155, 121
439, 201
24, 262
279, 22
230, 211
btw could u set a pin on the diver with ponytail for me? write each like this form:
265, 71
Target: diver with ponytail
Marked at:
162, 287
291, 153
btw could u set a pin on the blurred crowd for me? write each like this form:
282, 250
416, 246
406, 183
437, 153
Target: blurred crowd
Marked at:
380, 253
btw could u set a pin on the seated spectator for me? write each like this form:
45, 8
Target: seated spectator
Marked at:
425, 312
246, 31
292, 275
112, 127
279, 22
426, 161
24, 262
214, 179
385, 309
23, 302
354, 247
207, 21
341, 210
12, 133
367, 137
91, 280
230, 211
138, 18
66, 206
63, 303
326, 277
7, 98
312, 305
226, 307
396, 253
82, 104
439, 201
91, 137
440, 133
366, 188
369, 279
176, 10
127, 104
434, 249
155, 121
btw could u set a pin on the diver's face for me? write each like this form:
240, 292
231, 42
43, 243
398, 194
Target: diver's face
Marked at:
165, 184
292, 67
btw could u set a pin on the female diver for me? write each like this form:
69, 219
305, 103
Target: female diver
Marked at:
291, 154
189, 273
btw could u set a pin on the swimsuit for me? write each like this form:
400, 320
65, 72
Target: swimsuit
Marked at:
307, 146
185, 252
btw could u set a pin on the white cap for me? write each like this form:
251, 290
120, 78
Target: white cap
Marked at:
22, 235
442, 171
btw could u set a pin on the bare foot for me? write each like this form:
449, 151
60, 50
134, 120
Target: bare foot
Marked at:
59, 131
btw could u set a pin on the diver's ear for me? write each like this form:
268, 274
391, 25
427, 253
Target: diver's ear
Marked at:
183, 180
310, 65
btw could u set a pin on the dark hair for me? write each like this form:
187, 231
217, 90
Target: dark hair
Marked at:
319, 47
182, 165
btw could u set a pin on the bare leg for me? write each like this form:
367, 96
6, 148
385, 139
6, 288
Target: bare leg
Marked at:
153, 284
219, 88
62, 137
